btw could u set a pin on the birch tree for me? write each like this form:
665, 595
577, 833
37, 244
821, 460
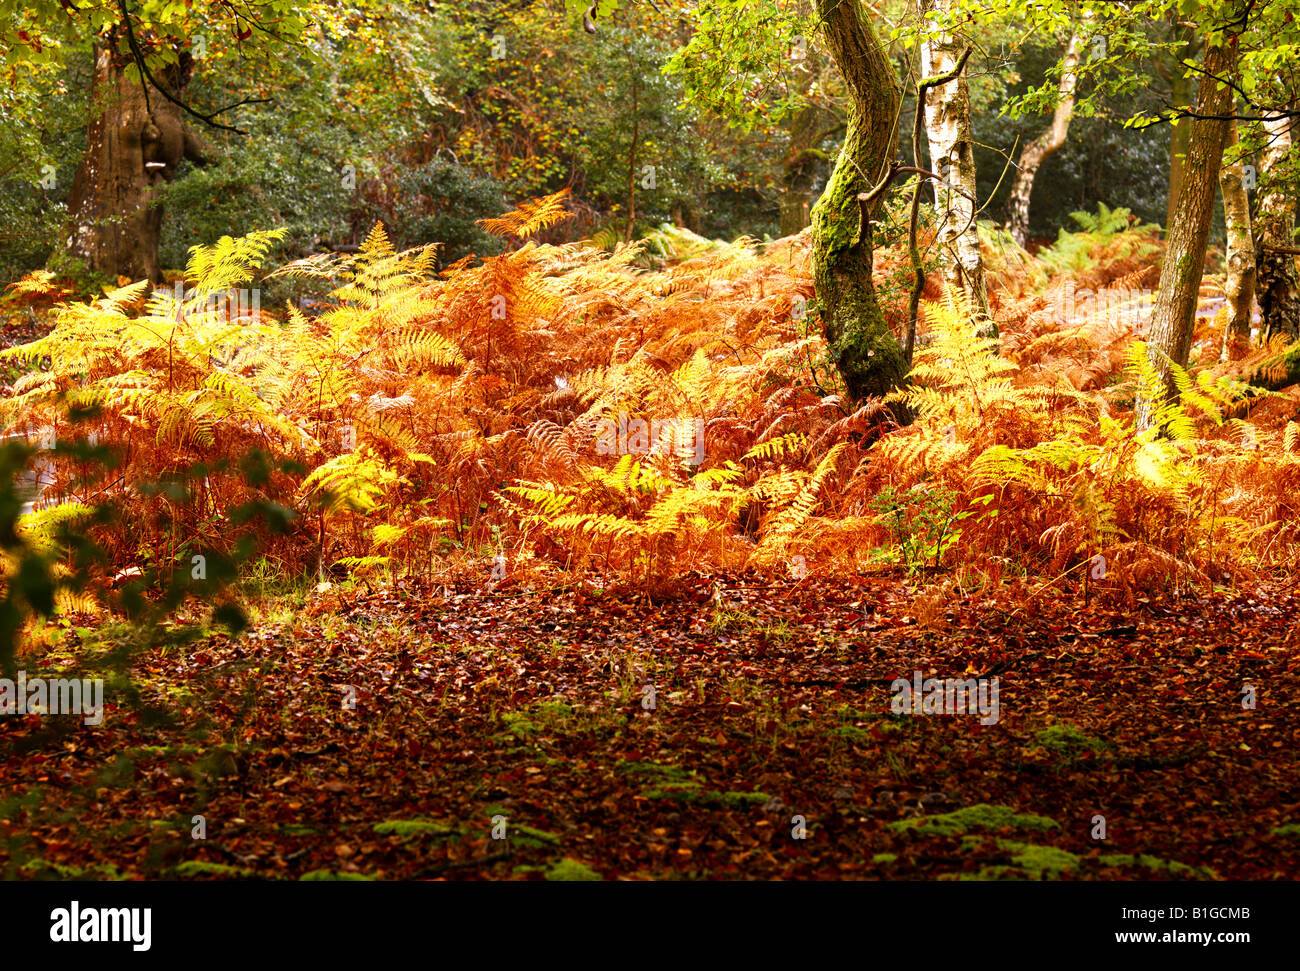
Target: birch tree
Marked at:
1050, 142
952, 155
1276, 278
1239, 280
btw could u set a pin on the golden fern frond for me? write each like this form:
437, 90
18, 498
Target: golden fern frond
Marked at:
529, 217
725, 473
377, 245
230, 261
42, 283
121, 298
1167, 414
1001, 465
794, 516
416, 350
599, 525
550, 441
352, 481
318, 266
703, 507
778, 447
551, 500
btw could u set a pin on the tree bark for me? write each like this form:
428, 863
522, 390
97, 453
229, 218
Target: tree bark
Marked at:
1182, 91
1180, 275
1178, 136
1276, 278
1239, 282
1051, 140
133, 145
952, 154
868, 357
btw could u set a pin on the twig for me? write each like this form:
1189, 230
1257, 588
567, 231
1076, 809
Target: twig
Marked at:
462, 864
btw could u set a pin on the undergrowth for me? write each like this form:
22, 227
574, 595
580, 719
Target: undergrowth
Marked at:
568, 408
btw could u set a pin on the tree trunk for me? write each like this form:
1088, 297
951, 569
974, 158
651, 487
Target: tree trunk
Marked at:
1051, 140
865, 352
1178, 140
132, 146
1180, 275
1239, 282
1182, 91
952, 155
1277, 281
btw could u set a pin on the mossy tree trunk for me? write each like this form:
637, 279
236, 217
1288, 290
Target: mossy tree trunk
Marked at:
865, 352
1180, 275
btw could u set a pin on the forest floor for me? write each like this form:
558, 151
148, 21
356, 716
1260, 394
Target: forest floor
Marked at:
386, 733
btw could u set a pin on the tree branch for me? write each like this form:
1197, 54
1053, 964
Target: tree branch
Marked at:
147, 78
1174, 113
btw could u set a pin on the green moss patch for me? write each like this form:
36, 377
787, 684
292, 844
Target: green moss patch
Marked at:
527, 836
572, 870
980, 816
202, 868
1069, 740
413, 827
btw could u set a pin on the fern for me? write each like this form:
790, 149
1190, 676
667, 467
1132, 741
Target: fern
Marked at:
352, 482
427, 415
229, 261
530, 217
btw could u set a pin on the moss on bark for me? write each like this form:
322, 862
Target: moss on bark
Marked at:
868, 357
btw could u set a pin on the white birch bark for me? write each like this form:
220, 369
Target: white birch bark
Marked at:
952, 155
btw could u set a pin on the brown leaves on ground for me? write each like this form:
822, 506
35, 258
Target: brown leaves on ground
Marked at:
682, 739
